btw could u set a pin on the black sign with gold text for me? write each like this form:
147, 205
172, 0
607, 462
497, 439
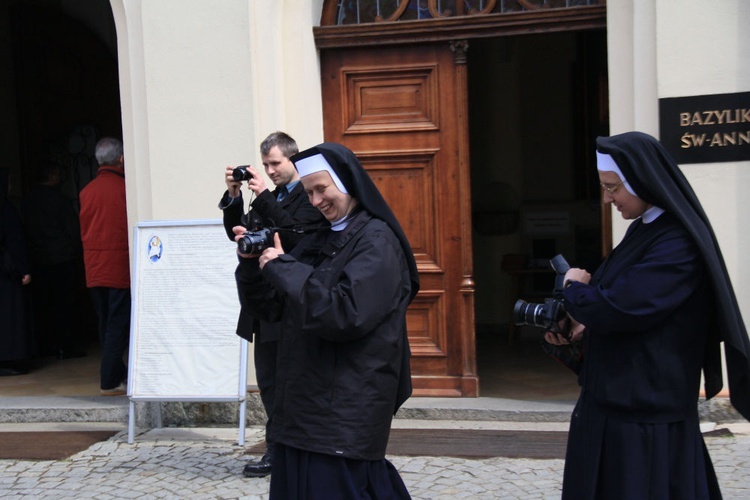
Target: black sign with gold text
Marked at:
706, 128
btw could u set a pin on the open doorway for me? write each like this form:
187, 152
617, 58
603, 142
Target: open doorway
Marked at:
60, 92
536, 105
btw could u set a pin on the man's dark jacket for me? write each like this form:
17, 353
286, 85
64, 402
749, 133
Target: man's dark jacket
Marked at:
294, 209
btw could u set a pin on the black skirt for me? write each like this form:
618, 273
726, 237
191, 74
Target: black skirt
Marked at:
304, 475
610, 458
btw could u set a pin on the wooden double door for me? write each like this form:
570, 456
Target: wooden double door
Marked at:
403, 111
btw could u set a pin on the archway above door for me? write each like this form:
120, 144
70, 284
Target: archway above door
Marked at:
453, 19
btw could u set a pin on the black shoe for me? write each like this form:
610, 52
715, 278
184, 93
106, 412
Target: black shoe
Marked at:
261, 468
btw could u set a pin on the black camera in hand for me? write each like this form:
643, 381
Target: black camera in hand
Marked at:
240, 174
258, 235
549, 314
254, 242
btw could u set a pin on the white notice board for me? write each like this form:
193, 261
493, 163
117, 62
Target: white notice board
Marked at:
183, 344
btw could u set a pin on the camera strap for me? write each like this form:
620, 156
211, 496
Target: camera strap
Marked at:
303, 228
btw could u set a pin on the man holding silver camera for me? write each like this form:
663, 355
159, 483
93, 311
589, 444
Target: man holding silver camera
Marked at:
283, 207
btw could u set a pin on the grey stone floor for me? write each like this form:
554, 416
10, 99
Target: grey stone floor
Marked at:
207, 463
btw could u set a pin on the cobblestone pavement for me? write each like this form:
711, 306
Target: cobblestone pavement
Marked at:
207, 463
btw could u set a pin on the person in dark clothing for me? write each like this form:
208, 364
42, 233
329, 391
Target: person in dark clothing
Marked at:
286, 206
340, 298
651, 318
54, 241
17, 338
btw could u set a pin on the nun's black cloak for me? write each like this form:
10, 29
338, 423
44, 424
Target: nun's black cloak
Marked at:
343, 365
17, 341
655, 312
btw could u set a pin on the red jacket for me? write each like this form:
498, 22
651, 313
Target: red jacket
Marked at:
104, 229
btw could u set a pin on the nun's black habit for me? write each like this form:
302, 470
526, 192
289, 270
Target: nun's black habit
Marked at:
17, 343
343, 367
658, 180
655, 312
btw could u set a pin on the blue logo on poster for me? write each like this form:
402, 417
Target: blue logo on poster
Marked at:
154, 248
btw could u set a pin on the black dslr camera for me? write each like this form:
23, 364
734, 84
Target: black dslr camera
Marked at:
258, 237
254, 242
240, 174
548, 314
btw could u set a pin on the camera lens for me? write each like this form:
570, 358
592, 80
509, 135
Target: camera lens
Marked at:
542, 315
524, 313
254, 242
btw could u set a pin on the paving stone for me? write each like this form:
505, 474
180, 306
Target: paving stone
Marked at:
164, 464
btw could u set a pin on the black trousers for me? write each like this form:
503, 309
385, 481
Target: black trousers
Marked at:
113, 309
264, 354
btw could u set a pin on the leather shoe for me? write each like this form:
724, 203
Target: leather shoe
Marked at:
261, 468
120, 390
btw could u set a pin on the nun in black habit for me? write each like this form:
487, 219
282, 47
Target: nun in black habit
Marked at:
651, 318
343, 359
17, 341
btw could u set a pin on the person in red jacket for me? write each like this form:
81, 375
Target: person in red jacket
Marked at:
104, 234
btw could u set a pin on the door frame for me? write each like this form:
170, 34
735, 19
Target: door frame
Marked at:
458, 31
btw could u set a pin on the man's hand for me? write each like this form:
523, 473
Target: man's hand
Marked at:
256, 183
233, 186
271, 253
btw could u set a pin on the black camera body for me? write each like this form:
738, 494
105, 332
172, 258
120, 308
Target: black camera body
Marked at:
254, 242
548, 314
258, 235
240, 174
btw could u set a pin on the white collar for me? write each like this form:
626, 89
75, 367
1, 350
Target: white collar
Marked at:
651, 214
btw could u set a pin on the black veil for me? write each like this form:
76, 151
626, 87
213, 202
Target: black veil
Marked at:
360, 186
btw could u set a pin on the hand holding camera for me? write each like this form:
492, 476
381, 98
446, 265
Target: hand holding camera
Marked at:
562, 332
577, 274
263, 242
551, 314
271, 252
241, 173
568, 331
233, 184
248, 173
252, 243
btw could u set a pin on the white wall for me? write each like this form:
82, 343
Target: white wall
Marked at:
706, 52
679, 48
202, 83
631, 59
287, 70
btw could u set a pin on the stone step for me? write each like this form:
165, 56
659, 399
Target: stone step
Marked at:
32, 409
60, 409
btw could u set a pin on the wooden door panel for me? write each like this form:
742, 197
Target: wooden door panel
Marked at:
391, 99
397, 109
424, 323
405, 180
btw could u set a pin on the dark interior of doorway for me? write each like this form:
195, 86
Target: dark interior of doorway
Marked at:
59, 91
536, 105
